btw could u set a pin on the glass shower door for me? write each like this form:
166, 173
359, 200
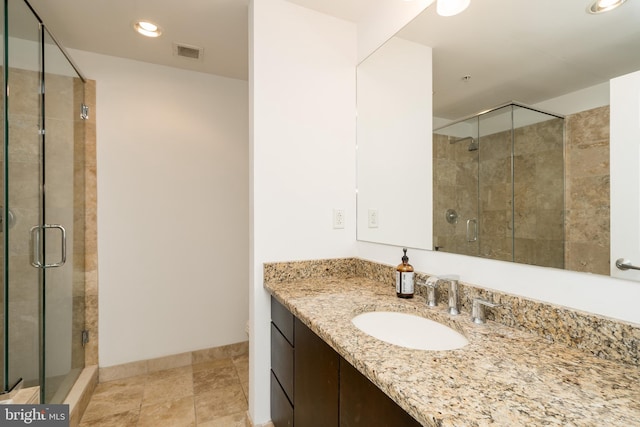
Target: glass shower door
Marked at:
456, 150
63, 227
44, 190
496, 184
22, 198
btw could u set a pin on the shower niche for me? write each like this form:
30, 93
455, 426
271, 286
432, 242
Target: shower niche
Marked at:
502, 173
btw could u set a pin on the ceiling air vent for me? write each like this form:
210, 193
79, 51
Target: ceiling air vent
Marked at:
186, 51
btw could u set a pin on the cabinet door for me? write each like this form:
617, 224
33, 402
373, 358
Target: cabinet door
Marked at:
283, 319
281, 409
363, 404
282, 361
316, 387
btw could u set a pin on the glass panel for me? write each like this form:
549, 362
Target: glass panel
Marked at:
64, 207
539, 188
495, 185
23, 173
3, 212
455, 183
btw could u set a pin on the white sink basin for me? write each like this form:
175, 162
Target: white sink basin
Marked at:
410, 331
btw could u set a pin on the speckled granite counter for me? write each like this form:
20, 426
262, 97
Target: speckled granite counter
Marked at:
504, 377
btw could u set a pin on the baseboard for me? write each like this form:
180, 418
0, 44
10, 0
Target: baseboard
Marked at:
143, 367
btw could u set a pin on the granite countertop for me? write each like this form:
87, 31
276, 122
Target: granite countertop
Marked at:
503, 377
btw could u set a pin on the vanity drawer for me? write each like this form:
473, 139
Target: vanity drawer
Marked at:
281, 409
283, 319
282, 361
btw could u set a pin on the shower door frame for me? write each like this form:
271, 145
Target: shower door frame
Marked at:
42, 239
474, 247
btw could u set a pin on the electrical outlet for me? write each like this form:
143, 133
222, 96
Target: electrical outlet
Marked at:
373, 218
338, 218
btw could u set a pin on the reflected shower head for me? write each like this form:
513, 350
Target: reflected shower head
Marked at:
473, 146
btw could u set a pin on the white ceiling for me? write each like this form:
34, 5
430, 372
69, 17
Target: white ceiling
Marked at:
523, 50
220, 27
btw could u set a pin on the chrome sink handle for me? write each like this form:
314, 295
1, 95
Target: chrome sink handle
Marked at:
430, 284
477, 310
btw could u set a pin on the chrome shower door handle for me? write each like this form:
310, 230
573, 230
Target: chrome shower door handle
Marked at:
35, 241
472, 236
35, 246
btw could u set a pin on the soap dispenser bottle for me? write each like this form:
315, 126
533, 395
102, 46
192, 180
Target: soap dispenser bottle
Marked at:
404, 278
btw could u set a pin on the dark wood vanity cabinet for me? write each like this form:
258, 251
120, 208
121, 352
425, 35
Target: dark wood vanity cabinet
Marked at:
313, 386
363, 404
282, 375
316, 379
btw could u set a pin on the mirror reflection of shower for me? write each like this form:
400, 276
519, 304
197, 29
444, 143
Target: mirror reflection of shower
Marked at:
473, 142
502, 171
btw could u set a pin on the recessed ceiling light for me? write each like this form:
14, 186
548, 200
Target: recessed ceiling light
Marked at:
601, 6
451, 7
147, 28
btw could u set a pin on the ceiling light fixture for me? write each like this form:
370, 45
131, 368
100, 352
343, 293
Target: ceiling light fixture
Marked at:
451, 7
601, 6
147, 28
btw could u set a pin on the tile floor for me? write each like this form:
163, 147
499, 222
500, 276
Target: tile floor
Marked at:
209, 394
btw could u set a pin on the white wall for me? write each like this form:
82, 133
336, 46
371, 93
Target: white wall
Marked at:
625, 176
394, 142
302, 90
575, 102
172, 171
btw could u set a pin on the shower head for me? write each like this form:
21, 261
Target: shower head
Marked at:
473, 145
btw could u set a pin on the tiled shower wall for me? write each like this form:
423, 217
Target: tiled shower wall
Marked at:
455, 185
539, 194
587, 191
91, 226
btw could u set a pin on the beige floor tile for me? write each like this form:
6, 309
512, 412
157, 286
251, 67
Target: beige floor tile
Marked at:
167, 373
117, 385
242, 366
206, 381
115, 397
245, 389
171, 413
170, 388
234, 420
124, 419
220, 403
212, 393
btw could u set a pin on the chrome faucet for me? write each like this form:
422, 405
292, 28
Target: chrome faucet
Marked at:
453, 293
432, 284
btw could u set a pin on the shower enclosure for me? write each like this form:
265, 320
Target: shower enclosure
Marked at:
42, 210
499, 186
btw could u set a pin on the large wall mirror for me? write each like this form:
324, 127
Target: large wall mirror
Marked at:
488, 133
